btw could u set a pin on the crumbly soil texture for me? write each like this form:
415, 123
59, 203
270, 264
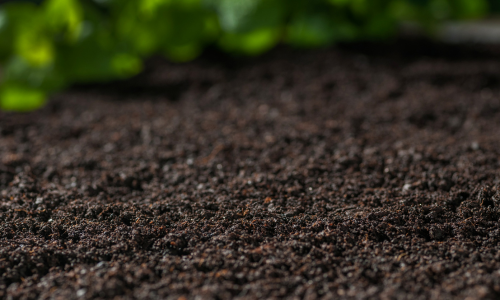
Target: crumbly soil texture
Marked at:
359, 172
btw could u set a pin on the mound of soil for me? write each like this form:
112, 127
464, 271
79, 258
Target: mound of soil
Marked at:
355, 172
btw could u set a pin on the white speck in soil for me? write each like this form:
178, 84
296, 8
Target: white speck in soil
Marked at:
81, 292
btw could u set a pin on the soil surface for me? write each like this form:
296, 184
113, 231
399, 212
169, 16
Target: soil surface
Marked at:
356, 172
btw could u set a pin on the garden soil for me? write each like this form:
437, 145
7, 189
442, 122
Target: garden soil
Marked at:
359, 172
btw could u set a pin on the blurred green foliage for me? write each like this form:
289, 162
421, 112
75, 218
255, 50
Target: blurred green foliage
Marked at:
45, 47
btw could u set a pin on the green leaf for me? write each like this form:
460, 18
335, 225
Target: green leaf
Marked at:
440, 9
149, 7
186, 26
183, 53
126, 64
19, 71
64, 15
403, 10
421, 3
466, 9
380, 26
21, 98
253, 43
361, 7
3, 21
141, 32
27, 34
243, 16
318, 29
5, 34
35, 47
86, 61
232, 13
340, 2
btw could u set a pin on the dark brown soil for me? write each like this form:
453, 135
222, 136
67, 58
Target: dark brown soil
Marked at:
341, 173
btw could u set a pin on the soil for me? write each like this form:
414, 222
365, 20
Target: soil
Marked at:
356, 172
